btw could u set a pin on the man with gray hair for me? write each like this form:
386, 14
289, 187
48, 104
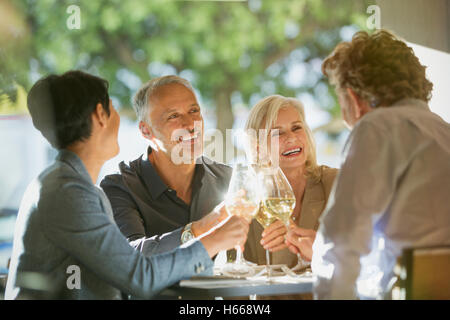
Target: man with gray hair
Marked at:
392, 191
162, 199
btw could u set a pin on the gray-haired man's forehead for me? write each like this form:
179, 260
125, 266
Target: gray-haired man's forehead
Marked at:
173, 109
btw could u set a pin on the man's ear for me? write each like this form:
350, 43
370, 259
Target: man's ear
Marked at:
100, 116
361, 106
145, 129
357, 105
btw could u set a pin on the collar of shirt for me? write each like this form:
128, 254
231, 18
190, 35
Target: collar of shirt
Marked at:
416, 104
75, 162
410, 102
156, 186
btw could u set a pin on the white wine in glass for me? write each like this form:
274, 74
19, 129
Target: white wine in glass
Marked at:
264, 217
242, 208
242, 200
278, 200
280, 208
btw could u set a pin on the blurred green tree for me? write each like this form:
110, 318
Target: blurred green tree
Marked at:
235, 51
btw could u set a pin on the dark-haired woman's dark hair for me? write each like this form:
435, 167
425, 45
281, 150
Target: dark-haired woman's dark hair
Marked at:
61, 106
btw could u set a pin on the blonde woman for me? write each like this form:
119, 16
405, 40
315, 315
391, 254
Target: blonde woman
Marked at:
310, 182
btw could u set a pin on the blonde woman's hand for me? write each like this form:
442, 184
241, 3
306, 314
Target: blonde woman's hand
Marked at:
274, 236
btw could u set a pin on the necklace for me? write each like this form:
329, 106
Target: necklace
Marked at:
295, 217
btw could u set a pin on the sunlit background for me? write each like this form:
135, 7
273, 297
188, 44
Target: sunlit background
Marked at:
233, 52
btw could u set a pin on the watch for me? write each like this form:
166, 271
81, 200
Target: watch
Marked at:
187, 233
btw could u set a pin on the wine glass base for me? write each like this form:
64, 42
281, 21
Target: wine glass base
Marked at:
238, 270
280, 270
301, 265
273, 270
247, 263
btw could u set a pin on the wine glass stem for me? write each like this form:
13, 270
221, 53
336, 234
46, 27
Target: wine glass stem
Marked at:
268, 264
238, 254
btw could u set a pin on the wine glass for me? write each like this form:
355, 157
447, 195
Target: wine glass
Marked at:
242, 200
278, 200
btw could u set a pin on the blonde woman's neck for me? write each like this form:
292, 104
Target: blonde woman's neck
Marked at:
297, 179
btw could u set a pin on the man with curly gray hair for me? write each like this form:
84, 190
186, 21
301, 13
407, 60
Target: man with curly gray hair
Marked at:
392, 190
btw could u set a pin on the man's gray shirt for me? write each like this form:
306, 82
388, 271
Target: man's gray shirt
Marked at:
65, 222
149, 213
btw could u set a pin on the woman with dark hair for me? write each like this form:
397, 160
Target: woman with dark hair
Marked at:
66, 244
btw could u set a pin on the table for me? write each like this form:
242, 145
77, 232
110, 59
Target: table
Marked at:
3, 277
225, 287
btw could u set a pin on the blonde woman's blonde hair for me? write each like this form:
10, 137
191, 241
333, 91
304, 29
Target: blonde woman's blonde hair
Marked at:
264, 114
